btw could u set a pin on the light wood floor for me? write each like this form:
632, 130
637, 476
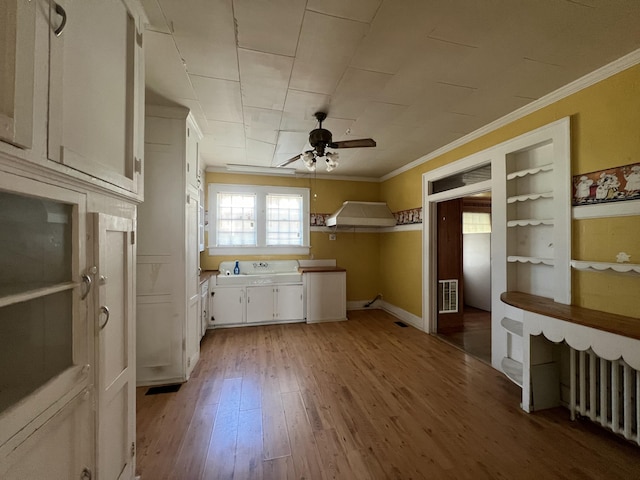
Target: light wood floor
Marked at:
362, 399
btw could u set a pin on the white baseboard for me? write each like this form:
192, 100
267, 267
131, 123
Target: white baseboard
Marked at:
398, 312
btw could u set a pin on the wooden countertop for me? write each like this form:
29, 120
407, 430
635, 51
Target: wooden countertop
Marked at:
608, 322
207, 274
321, 269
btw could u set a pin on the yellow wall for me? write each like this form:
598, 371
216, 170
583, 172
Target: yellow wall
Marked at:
359, 253
605, 132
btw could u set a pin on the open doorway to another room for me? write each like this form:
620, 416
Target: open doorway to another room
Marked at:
464, 273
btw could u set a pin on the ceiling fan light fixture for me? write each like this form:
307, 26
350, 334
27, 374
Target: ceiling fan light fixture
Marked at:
309, 160
332, 160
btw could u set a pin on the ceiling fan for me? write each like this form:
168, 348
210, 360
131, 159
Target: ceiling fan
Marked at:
320, 139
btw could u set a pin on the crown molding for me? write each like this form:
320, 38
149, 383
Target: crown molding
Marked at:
309, 175
586, 81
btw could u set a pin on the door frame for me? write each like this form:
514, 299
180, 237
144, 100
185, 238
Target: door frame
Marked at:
429, 225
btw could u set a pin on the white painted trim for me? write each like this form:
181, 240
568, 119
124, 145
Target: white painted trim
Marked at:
588, 80
613, 209
403, 315
397, 312
310, 175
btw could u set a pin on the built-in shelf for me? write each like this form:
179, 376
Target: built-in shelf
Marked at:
534, 260
529, 197
512, 326
513, 370
632, 268
530, 171
525, 222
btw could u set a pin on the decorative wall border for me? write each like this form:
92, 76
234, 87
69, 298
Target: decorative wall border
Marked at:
412, 216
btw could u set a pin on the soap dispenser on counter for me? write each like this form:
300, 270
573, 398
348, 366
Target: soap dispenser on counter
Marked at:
236, 269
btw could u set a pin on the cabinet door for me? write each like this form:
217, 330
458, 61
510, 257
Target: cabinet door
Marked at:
289, 304
114, 295
61, 449
260, 304
192, 154
227, 306
17, 47
93, 91
326, 296
193, 327
204, 308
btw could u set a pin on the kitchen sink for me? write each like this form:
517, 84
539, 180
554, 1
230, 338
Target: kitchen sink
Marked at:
259, 273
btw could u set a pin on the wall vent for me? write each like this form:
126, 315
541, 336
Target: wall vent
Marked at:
448, 296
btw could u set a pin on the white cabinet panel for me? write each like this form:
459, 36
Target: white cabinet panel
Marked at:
260, 304
92, 62
60, 450
17, 47
326, 296
115, 261
227, 306
289, 303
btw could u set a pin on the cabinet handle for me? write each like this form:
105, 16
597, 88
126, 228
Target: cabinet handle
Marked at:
104, 310
86, 281
60, 11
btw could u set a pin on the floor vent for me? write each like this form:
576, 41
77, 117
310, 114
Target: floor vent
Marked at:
606, 392
448, 296
401, 324
164, 389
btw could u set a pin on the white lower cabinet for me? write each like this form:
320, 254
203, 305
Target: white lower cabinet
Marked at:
257, 304
59, 450
227, 306
204, 307
281, 303
326, 296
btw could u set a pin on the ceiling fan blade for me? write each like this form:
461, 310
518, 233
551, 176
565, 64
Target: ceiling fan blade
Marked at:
362, 142
287, 162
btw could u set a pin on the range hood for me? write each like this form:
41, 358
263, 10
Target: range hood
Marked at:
362, 214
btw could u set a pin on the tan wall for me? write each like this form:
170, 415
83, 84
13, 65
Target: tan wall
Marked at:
359, 253
605, 126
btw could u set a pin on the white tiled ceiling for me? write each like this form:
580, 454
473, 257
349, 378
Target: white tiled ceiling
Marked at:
412, 74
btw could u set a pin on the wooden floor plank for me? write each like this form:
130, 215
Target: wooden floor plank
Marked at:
361, 399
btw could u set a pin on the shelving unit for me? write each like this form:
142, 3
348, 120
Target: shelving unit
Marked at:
625, 268
537, 215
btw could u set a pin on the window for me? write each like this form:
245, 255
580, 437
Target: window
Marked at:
476, 222
249, 219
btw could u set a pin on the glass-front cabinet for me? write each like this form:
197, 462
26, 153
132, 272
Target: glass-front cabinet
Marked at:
44, 327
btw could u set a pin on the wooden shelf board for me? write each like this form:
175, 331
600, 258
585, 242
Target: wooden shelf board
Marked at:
608, 322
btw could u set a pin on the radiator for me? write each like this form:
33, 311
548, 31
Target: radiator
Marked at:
606, 392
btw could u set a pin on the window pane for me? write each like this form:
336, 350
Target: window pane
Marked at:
476, 175
35, 243
284, 214
236, 219
476, 222
37, 337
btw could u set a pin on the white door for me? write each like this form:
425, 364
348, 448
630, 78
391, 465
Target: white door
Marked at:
260, 304
227, 306
289, 304
115, 375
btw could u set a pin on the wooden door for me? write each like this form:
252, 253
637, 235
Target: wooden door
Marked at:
450, 316
115, 384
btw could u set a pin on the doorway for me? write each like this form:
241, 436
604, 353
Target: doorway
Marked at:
464, 273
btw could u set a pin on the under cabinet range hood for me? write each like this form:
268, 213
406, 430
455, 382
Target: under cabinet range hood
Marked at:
362, 214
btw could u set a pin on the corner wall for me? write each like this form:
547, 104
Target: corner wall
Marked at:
605, 126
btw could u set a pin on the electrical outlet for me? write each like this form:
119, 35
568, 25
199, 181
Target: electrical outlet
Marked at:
332, 236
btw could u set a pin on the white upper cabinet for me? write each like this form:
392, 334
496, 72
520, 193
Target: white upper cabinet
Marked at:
17, 47
95, 47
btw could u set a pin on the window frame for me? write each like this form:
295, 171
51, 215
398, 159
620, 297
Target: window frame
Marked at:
261, 192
